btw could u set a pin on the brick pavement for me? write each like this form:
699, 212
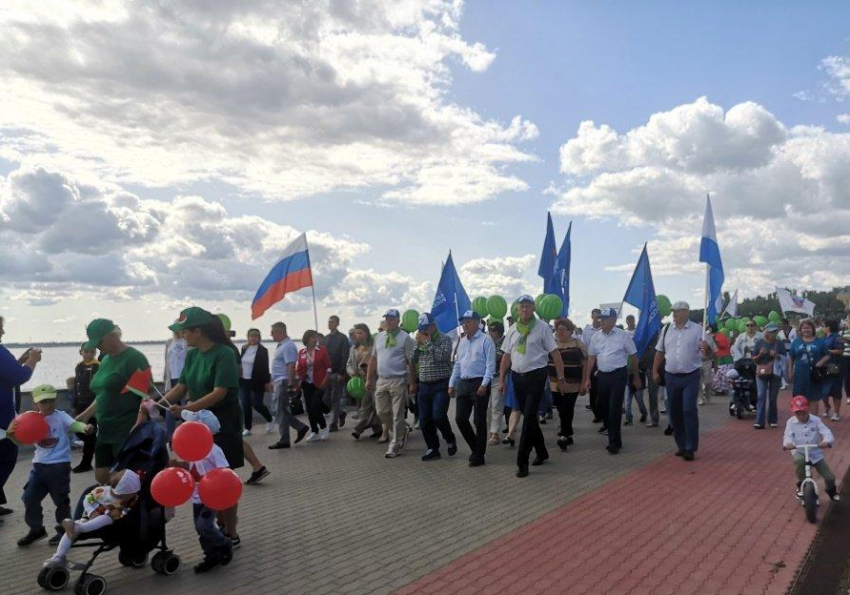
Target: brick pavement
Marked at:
727, 524
336, 517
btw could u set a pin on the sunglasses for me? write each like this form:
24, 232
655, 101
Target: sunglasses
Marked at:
750, 325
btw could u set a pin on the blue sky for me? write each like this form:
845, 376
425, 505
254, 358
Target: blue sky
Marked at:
554, 64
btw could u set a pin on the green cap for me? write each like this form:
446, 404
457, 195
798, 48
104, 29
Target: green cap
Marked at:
190, 318
96, 330
43, 393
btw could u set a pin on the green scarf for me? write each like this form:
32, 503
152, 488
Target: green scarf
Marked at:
434, 338
524, 330
391, 335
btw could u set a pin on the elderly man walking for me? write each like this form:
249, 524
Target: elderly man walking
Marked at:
680, 348
338, 348
612, 350
527, 347
391, 356
430, 370
470, 384
285, 386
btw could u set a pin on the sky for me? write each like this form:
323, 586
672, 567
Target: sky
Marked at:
159, 155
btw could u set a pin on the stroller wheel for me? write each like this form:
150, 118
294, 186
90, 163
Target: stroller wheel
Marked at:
166, 563
53, 578
90, 584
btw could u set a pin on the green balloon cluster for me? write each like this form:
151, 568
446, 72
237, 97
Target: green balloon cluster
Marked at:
479, 305
774, 317
356, 388
761, 321
725, 331
732, 324
664, 305
497, 307
742, 325
550, 306
410, 320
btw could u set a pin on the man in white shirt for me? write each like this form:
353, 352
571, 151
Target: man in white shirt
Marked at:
527, 347
681, 346
612, 351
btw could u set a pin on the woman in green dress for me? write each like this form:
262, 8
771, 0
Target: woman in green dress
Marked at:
210, 380
115, 408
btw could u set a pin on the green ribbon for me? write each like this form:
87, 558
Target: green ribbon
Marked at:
391, 335
524, 329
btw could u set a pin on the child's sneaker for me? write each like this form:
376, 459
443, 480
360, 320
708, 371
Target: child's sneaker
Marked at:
799, 493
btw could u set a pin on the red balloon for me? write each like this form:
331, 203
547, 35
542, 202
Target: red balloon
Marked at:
220, 489
192, 441
172, 486
31, 427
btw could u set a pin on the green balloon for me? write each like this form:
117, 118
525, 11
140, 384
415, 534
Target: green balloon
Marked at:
225, 321
497, 307
410, 320
774, 316
663, 305
538, 301
761, 321
479, 304
515, 310
356, 388
732, 324
550, 307
725, 331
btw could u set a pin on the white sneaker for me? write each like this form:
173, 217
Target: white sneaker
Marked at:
835, 417
391, 454
270, 427
311, 437
246, 432
324, 433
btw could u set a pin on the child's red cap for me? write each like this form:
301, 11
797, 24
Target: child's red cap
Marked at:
799, 403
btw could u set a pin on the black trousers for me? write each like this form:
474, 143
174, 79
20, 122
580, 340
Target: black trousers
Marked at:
313, 404
252, 398
566, 405
593, 395
528, 389
467, 398
612, 389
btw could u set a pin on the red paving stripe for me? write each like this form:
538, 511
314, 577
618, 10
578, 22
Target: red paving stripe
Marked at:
727, 523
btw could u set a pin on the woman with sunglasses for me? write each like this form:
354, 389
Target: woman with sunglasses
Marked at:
745, 344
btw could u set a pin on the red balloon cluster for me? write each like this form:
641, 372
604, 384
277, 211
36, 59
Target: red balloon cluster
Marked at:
172, 486
192, 441
30, 427
220, 489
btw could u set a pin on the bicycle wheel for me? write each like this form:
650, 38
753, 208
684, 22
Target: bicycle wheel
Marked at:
810, 502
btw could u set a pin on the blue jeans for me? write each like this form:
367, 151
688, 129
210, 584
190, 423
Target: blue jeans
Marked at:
682, 393
768, 390
637, 396
53, 479
212, 539
433, 403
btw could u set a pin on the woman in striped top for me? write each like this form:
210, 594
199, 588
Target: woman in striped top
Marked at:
573, 355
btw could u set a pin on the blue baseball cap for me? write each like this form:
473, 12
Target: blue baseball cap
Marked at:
425, 321
608, 313
392, 313
525, 299
470, 315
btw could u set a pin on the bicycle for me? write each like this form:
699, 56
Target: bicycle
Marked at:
809, 487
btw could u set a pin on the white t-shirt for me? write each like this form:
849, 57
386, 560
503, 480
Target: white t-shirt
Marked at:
248, 359
175, 357
56, 447
215, 460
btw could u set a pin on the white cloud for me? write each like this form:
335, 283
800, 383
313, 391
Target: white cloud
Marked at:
843, 119
284, 98
509, 276
781, 196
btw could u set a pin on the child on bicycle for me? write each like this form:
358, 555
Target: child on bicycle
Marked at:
809, 429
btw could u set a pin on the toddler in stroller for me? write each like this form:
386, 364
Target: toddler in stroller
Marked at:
744, 393
137, 521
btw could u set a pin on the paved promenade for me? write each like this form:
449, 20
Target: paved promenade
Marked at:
336, 517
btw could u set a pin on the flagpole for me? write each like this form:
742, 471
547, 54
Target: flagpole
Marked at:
705, 310
312, 285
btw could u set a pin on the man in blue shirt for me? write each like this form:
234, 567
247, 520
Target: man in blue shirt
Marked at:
285, 386
473, 372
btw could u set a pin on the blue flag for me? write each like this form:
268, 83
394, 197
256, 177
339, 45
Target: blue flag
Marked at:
451, 300
564, 258
641, 295
709, 253
548, 268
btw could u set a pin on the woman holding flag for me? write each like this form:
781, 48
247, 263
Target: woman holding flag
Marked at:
116, 398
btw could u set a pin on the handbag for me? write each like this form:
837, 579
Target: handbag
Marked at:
764, 370
816, 374
831, 370
296, 404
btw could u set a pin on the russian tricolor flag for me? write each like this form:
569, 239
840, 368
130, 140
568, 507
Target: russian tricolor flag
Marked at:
290, 274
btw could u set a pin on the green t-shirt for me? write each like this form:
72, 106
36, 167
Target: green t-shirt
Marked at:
116, 412
207, 370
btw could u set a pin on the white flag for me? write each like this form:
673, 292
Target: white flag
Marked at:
794, 303
732, 306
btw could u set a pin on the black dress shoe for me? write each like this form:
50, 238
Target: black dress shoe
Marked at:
279, 444
356, 435
562, 443
507, 440
431, 455
642, 417
668, 431
476, 462
613, 450
602, 430
301, 433
569, 441
688, 455
597, 420
81, 468
538, 460
451, 448
680, 453
4, 511
522, 472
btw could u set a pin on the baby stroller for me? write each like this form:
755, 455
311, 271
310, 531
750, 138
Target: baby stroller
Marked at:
135, 535
744, 393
